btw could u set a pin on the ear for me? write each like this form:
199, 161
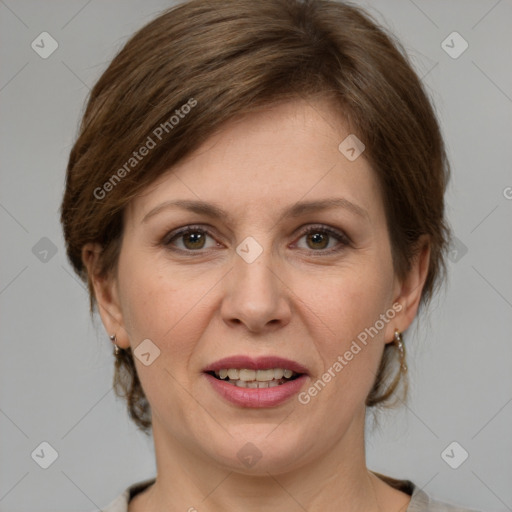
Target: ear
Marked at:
106, 293
407, 292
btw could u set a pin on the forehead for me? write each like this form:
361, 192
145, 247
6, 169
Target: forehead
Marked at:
272, 158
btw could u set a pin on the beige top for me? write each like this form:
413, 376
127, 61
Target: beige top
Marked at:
420, 500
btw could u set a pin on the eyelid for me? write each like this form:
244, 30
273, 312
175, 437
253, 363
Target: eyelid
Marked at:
326, 228
176, 233
342, 237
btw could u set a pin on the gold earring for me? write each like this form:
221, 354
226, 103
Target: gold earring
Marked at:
401, 349
117, 350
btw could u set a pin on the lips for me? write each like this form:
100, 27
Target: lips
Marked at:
259, 382
260, 363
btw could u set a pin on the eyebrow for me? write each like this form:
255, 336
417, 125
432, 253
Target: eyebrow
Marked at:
296, 210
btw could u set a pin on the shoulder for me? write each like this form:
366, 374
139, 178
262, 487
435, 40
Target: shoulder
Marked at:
120, 504
420, 500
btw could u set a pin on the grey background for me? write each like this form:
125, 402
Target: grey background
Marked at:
56, 366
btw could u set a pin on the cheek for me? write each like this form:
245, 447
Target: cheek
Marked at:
162, 307
345, 308
164, 310
349, 300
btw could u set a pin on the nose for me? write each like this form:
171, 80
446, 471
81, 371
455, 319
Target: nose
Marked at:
256, 296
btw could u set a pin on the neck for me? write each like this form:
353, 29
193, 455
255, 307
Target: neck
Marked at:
337, 480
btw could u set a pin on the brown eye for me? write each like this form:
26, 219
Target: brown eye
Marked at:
189, 239
324, 239
193, 240
317, 240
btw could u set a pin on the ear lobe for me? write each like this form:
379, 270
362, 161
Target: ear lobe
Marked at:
410, 289
106, 294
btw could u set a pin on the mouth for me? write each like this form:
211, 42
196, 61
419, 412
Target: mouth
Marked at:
255, 379
256, 383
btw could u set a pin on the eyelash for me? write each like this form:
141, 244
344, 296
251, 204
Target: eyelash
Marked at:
338, 235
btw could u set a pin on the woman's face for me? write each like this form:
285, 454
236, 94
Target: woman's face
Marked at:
264, 274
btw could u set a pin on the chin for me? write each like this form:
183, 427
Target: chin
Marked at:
257, 450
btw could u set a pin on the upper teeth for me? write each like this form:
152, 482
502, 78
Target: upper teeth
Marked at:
258, 375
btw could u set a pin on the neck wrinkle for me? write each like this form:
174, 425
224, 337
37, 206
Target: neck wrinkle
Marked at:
338, 480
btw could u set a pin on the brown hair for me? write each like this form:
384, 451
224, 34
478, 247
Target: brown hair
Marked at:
227, 58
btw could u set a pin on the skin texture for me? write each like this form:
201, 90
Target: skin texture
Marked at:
297, 300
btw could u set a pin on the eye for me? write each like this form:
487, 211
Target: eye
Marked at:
190, 238
317, 238
323, 239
